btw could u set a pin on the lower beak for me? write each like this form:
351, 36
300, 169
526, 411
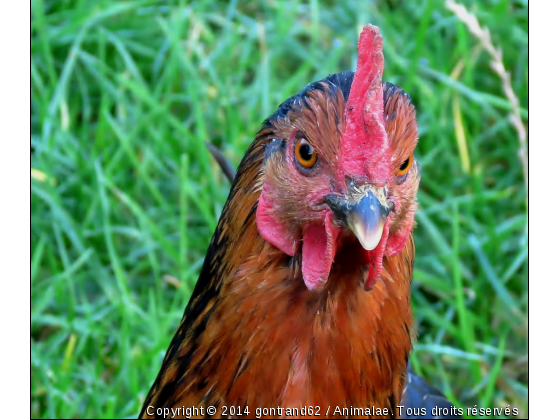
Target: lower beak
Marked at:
363, 211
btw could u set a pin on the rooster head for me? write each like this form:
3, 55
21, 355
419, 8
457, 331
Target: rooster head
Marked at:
339, 166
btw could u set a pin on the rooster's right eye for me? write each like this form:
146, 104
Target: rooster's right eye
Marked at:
305, 154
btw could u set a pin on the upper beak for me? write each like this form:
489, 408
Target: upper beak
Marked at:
364, 211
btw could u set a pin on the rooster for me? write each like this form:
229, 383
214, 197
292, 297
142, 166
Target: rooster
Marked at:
304, 296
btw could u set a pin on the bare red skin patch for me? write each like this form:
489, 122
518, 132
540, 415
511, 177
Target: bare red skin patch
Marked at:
270, 228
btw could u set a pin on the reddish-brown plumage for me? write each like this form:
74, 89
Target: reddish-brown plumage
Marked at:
255, 333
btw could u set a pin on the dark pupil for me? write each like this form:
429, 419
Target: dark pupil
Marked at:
404, 165
306, 152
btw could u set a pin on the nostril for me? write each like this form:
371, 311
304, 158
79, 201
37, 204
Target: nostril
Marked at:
338, 205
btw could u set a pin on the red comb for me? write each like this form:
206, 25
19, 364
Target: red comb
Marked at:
364, 139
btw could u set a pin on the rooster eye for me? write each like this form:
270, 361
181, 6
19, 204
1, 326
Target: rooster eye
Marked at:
404, 168
305, 154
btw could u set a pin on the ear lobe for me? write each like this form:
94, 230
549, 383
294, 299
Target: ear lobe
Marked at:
398, 240
270, 228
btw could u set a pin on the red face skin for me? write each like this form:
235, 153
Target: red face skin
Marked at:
365, 147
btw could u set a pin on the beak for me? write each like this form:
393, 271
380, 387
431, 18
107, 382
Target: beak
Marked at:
364, 211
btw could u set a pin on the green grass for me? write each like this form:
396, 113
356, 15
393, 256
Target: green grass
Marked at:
125, 196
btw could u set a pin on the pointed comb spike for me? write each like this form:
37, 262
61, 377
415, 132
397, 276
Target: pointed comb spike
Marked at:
365, 134
370, 64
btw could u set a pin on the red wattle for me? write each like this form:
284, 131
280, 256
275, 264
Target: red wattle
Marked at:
376, 259
319, 247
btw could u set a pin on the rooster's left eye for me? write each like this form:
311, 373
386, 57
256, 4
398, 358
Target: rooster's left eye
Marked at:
305, 154
404, 168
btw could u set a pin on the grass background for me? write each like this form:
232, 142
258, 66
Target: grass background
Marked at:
125, 197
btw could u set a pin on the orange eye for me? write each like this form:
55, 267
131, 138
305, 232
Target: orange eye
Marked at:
305, 154
405, 166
